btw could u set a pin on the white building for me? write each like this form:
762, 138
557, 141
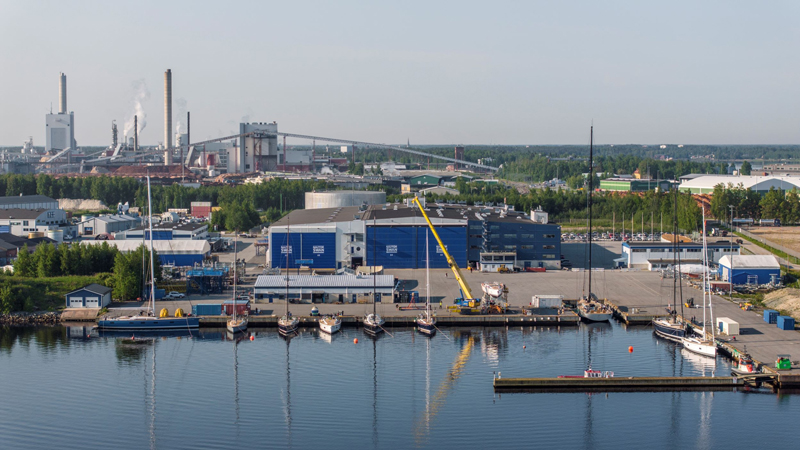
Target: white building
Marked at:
705, 184
659, 255
167, 231
108, 224
20, 222
28, 202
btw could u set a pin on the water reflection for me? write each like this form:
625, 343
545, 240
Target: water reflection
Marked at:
287, 394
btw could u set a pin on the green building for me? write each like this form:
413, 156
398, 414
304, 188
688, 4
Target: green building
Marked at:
632, 184
425, 180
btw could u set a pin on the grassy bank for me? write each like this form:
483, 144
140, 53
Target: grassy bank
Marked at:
42, 294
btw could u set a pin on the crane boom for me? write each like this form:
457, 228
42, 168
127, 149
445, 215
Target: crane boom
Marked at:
465, 289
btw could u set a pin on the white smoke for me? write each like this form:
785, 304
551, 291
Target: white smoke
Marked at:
140, 95
180, 105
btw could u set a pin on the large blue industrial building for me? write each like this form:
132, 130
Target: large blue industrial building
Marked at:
394, 236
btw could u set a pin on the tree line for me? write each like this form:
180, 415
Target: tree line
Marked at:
749, 204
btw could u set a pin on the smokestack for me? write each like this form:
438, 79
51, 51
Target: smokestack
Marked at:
135, 133
62, 94
167, 108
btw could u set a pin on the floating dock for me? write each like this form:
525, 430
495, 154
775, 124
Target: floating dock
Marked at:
617, 384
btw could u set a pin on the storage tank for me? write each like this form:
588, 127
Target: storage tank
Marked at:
56, 235
336, 199
35, 234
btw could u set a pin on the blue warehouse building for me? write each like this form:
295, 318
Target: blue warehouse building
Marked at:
394, 236
750, 269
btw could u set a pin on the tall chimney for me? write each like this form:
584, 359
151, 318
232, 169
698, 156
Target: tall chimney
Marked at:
167, 108
62, 94
135, 133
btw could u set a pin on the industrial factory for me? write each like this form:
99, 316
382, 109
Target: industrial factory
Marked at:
394, 236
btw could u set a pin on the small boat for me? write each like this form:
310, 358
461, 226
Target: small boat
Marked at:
236, 324
700, 346
287, 324
330, 324
590, 373
426, 323
744, 365
493, 288
669, 329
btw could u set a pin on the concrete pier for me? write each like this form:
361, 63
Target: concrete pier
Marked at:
618, 384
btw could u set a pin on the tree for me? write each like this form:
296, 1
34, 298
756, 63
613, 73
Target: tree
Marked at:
9, 300
47, 263
745, 169
128, 278
24, 266
772, 204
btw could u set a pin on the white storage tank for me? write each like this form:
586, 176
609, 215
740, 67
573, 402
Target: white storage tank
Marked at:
547, 301
727, 326
56, 235
336, 199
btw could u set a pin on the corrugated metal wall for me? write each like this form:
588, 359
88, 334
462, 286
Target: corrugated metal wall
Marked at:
740, 275
403, 247
321, 247
181, 260
159, 235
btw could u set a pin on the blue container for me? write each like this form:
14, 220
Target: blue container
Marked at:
207, 309
770, 316
785, 323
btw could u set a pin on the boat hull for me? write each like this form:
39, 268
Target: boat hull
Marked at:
669, 331
700, 347
595, 317
149, 323
288, 327
426, 327
237, 326
330, 327
373, 324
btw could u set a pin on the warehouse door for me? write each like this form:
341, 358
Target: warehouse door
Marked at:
92, 302
76, 302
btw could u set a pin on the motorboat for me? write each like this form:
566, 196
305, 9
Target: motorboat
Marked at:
744, 365
493, 288
330, 324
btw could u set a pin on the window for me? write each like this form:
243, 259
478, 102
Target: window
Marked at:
526, 236
638, 250
494, 227
510, 247
549, 247
51, 214
510, 236
25, 222
494, 236
476, 227
692, 250
549, 236
526, 247
548, 256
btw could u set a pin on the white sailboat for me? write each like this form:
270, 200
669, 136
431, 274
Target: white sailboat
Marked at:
236, 323
588, 307
701, 344
373, 322
287, 324
670, 328
330, 324
426, 323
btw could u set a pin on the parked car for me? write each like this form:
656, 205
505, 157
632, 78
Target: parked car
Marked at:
174, 294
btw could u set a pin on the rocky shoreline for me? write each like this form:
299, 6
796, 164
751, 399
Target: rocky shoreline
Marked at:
43, 318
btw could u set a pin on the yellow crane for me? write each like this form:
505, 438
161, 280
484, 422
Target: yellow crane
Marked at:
462, 283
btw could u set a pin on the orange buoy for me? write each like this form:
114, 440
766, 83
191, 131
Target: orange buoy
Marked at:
630, 349
524, 347
355, 341
252, 338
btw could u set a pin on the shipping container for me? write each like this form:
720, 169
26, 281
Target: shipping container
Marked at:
727, 326
770, 316
785, 323
242, 307
207, 309
547, 301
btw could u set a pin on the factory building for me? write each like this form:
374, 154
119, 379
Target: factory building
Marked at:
28, 202
659, 255
60, 127
762, 184
394, 236
108, 224
181, 253
20, 222
167, 231
325, 288
750, 269
336, 199
633, 185
255, 152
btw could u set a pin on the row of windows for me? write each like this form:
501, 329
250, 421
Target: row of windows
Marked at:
514, 247
686, 250
514, 236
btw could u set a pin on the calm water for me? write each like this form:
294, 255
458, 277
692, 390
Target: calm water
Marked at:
63, 389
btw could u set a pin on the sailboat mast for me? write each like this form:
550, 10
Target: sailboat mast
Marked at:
374, 260
235, 264
705, 264
288, 247
591, 183
152, 265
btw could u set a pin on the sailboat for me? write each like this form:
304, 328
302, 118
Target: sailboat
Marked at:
287, 324
588, 307
426, 323
373, 322
149, 321
330, 324
700, 344
671, 329
236, 324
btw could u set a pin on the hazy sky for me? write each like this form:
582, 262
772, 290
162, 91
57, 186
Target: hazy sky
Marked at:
434, 72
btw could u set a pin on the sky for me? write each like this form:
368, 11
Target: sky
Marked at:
432, 72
